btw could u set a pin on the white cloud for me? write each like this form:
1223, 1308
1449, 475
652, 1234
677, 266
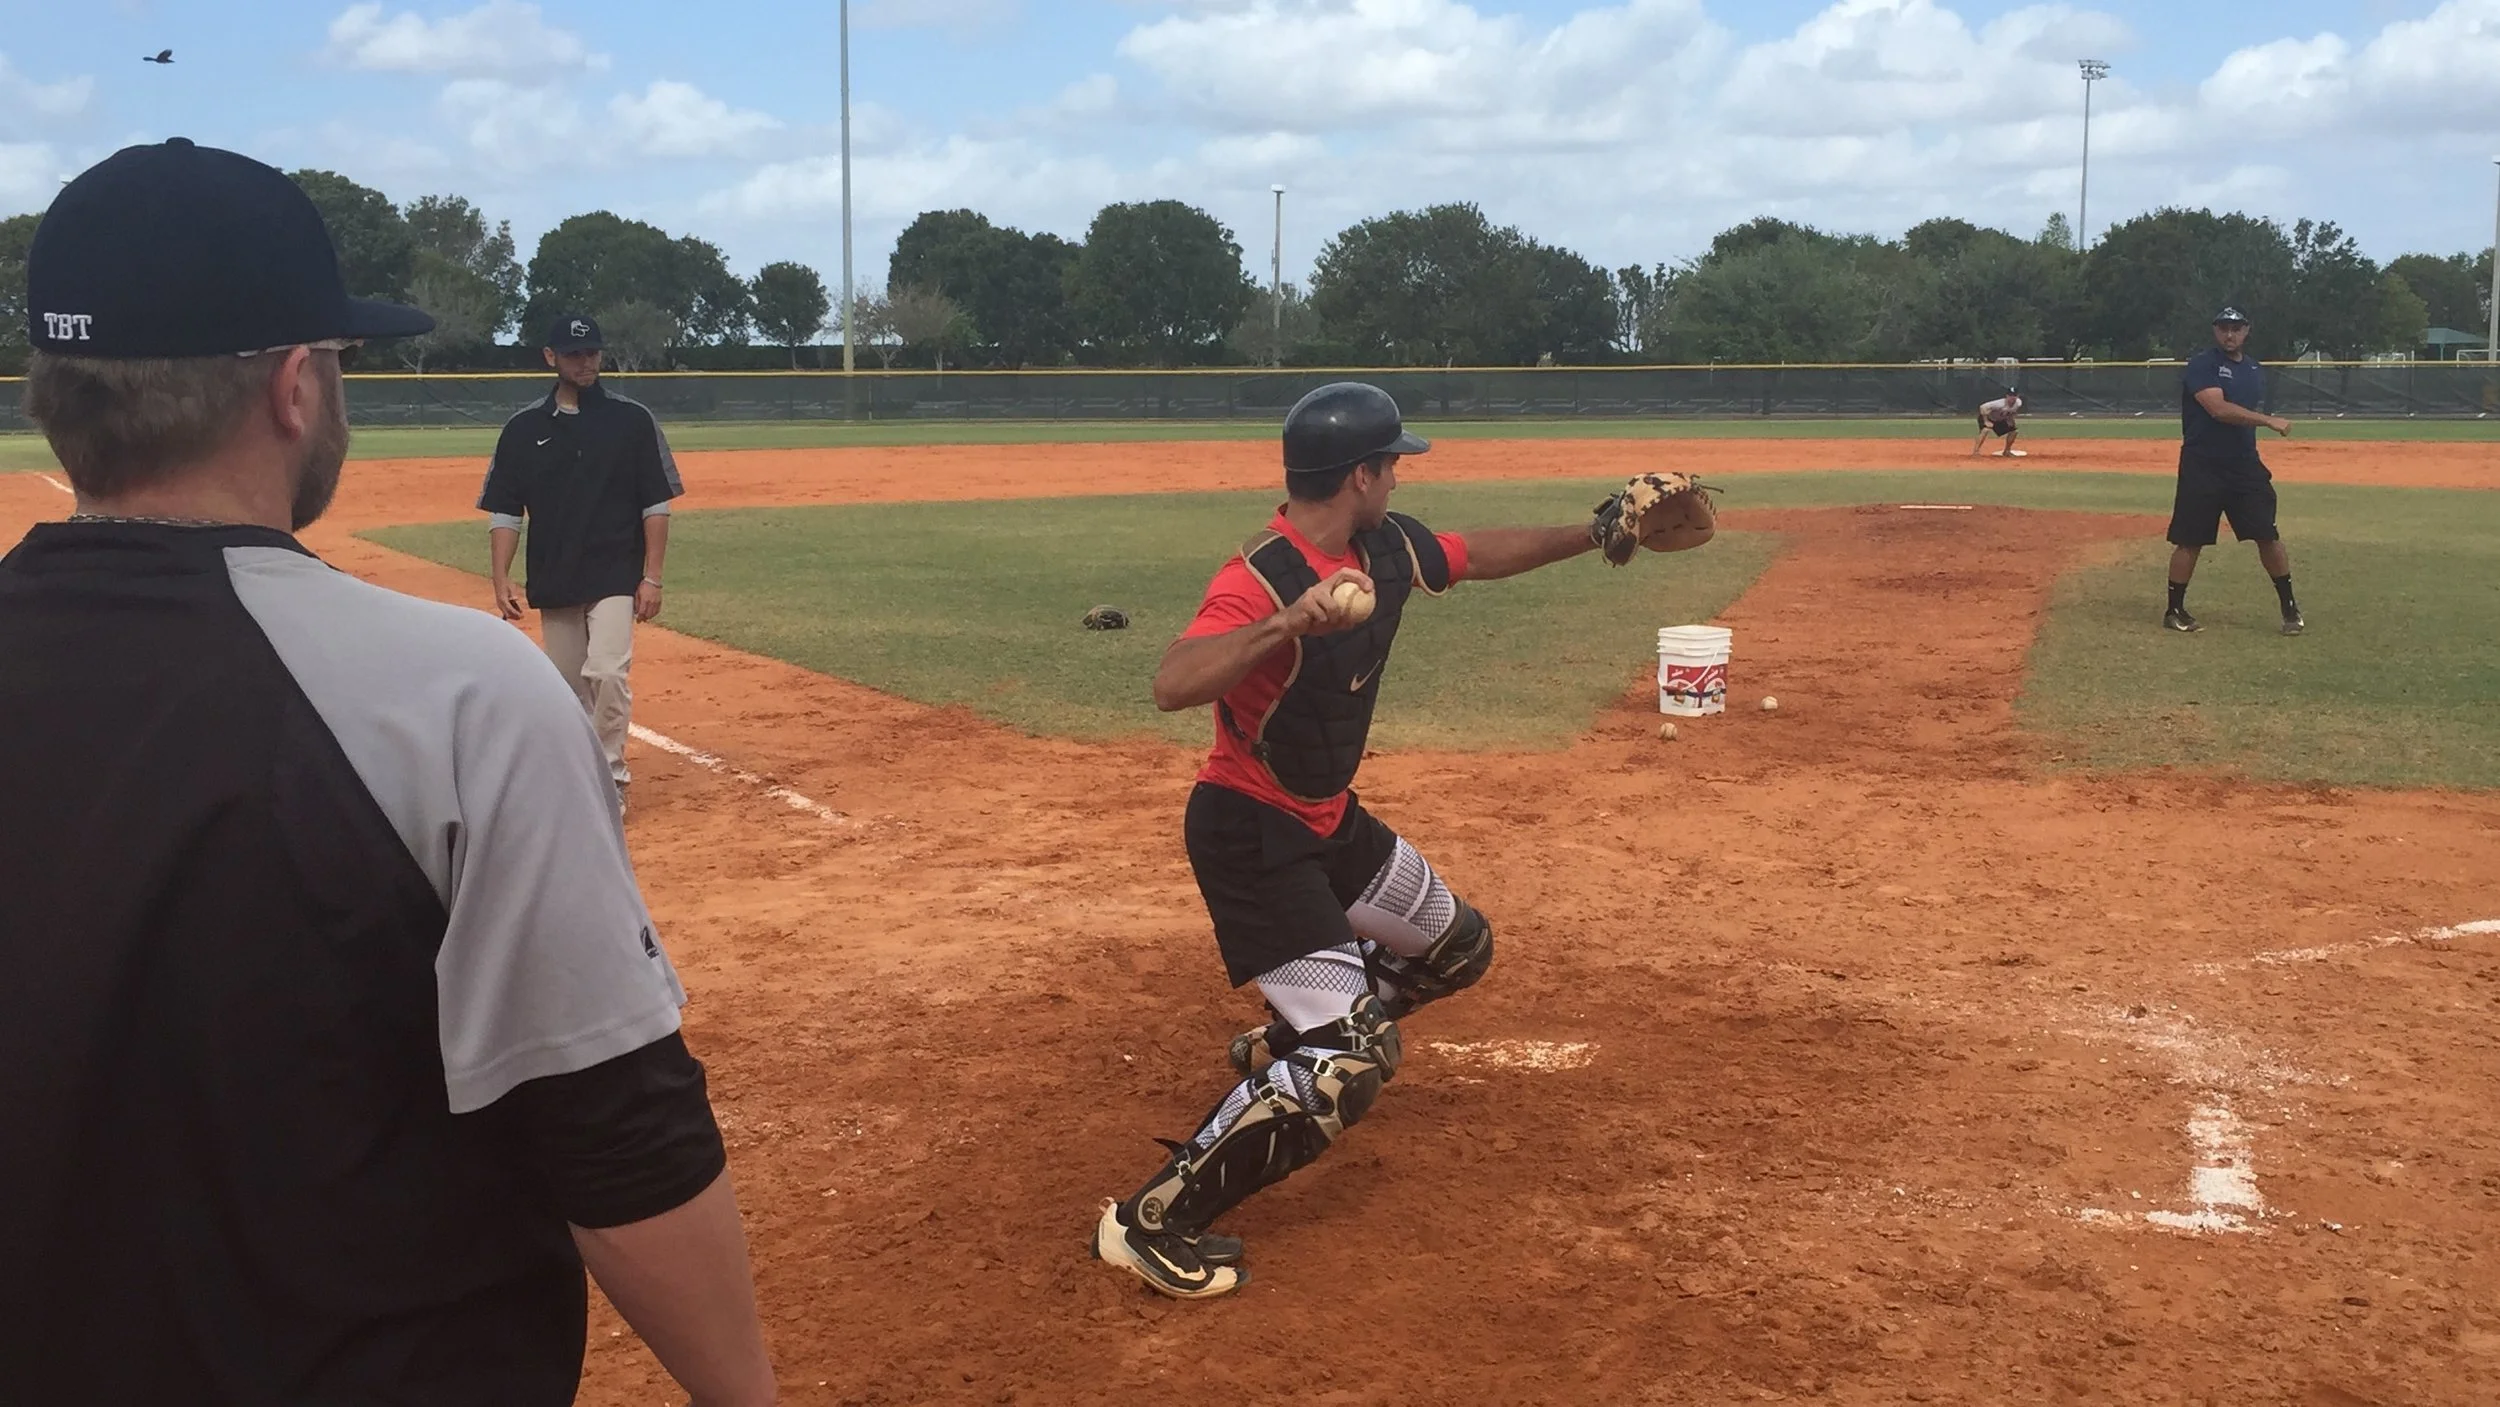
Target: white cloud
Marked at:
1011, 179
678, 119
22, 95
1265, 155
514, 128
30, 172
2434, 74
498, 37
2285, 82
1094, 95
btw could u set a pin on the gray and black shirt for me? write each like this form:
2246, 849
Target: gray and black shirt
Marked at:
336, 997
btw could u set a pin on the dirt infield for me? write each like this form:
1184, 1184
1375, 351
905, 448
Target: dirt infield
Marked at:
1838, 1055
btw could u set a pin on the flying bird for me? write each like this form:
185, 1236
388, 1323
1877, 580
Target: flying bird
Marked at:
162, 56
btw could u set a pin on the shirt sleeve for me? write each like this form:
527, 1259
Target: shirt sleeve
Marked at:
622, 1141
1234, 599
657, 479
502, 494
550, 964
2203, 373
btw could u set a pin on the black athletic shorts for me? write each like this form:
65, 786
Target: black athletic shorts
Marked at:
2211, 489
1276, 889
1997, 427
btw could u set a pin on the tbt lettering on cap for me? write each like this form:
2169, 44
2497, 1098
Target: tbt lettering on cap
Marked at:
68, 327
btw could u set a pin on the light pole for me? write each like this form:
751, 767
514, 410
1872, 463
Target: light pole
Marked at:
1276, 286
2094, 70
849, 364
2491, 339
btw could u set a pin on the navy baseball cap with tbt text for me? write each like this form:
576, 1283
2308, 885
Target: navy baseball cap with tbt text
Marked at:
574, 332
179, 250
2230, 317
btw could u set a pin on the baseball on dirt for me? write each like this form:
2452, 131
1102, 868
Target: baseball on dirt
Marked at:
1769, 704
1666, 732
1354, 601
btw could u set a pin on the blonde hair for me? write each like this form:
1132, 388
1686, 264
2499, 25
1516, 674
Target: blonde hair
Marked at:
121, 425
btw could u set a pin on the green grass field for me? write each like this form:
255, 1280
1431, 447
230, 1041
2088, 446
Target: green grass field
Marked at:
21, 452
978, 605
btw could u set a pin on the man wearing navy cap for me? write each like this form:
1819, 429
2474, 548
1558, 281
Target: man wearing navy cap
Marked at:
345, 1040
591, 476
2221, 404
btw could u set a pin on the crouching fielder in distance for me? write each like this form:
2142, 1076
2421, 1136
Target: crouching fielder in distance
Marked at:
2000, 417
1343, 925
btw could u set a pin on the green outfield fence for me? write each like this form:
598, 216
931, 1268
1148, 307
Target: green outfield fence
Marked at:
2456, 390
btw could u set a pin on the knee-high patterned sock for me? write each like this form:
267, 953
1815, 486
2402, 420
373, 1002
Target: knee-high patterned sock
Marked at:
2283, 590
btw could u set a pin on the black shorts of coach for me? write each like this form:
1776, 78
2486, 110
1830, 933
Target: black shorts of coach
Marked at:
1994, 426
1276, 889
2210, 489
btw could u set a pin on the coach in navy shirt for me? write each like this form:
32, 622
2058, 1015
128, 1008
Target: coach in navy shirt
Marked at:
2221, 400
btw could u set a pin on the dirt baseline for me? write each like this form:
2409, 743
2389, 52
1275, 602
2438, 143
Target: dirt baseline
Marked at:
1831, 1055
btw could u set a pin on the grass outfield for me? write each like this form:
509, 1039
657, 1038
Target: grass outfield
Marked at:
21, 452
977, 605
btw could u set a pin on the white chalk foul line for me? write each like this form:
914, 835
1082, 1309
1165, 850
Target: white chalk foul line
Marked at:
2222, 1189
1517, 1055
767, 785
2287, 957
58, 485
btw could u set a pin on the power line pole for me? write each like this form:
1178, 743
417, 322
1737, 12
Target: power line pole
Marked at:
2094, 70
849, 297
1277, 276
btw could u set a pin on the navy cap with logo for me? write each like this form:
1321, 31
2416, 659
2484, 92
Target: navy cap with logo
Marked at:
2230, 317
180, 250
574, 332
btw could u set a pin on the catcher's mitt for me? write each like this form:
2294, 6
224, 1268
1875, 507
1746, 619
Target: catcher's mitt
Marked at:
1662, 512
1106, 618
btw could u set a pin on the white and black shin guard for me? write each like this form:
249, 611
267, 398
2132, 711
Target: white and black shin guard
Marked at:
1422, 941
1273, 1123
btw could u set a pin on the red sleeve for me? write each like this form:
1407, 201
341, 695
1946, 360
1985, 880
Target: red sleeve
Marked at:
1454, 547
1234, 599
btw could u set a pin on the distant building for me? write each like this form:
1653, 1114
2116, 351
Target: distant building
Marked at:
2446, 342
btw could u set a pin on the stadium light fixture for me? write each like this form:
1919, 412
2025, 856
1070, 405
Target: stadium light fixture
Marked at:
849, 362
1276, 286
2094, 70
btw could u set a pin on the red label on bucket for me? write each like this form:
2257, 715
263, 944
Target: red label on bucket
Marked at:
1701, 681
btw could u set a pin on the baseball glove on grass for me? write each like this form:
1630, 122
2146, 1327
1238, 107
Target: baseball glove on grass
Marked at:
1662, 512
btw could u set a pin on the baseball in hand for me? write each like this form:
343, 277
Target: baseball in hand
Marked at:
1353, 602
1769, 704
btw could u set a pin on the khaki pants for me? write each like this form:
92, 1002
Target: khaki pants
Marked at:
593, 648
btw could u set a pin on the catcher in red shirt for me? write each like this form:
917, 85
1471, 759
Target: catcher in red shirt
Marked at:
1342, 924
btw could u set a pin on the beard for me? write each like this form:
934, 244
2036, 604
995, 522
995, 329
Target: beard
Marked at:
325, 452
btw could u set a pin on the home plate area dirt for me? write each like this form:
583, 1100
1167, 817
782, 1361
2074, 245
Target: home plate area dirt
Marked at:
1840, 1054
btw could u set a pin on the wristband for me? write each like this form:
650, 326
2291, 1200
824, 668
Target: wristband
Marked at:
652, 581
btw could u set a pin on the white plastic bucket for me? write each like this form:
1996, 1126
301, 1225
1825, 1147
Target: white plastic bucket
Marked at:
1692, 669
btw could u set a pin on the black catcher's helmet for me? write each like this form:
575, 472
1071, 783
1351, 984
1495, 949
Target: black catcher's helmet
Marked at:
1344, 423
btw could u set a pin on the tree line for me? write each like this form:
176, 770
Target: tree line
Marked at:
1161, 283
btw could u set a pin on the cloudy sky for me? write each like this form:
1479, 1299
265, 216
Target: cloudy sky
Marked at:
1631, 131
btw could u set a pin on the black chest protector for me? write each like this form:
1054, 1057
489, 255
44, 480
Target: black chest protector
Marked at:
1311, 740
